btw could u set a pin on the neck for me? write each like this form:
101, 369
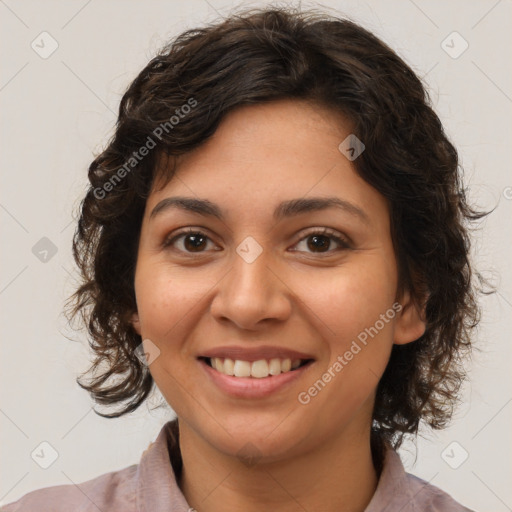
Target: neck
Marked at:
339, 476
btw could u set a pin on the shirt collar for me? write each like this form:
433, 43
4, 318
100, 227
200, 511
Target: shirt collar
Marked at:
157, 488
393, 492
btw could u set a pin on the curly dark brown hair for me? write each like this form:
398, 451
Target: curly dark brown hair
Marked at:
258, 56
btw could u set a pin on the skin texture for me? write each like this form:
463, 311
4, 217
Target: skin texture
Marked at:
294, 295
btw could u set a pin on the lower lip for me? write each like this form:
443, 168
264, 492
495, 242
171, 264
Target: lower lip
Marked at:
252, 387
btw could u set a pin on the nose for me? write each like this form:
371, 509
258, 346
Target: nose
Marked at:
252, 295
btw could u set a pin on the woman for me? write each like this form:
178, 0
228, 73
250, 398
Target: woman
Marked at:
275, 237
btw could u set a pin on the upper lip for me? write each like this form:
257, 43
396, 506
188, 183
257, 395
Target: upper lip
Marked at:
254, 353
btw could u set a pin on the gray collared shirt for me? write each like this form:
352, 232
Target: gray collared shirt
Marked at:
150, 486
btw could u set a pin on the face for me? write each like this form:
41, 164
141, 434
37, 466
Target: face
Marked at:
260, 273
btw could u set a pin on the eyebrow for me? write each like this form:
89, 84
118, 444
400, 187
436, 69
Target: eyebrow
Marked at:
285, 209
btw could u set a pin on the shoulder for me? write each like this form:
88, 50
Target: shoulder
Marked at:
148, 485
399, 490
429, 497
114, 491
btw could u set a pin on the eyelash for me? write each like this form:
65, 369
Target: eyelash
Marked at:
344, 244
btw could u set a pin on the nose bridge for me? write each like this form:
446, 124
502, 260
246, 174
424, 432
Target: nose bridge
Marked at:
251, 292
250, 269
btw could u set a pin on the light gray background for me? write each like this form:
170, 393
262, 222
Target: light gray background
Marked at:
58, 111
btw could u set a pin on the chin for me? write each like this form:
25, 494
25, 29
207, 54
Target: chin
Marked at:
257, 437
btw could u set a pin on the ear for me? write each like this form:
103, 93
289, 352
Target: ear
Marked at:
136, 323
410, 324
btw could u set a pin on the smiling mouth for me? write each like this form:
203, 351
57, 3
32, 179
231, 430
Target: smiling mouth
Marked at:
259, 369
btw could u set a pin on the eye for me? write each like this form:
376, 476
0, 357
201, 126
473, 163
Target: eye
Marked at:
321, 240
193, 240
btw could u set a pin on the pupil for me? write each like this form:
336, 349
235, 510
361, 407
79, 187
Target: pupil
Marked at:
197, 241
325, 243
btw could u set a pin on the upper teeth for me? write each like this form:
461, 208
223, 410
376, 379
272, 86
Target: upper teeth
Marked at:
259, 369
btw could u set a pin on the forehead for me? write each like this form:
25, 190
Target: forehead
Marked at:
263, 154
293, 131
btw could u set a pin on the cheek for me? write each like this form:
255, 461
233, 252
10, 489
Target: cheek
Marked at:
349, 300
344, 307
166, 295
355, 321
169, 300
